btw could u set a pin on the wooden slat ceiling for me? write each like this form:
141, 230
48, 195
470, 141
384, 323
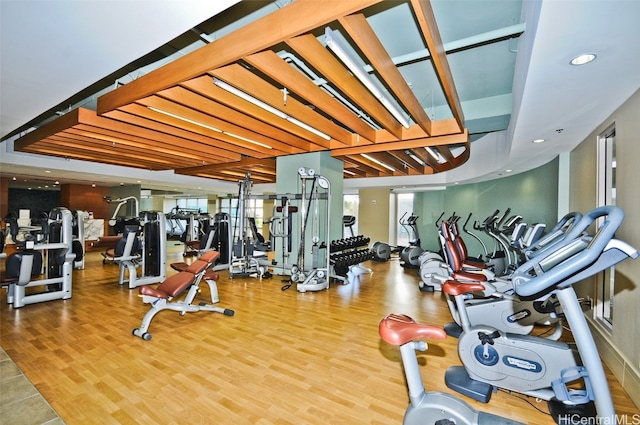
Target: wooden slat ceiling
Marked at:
177, 118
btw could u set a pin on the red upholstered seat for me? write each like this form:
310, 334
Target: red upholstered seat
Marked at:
171, 287
454, 288
399, 329
211, 275
197, 266
209, 256
181, 266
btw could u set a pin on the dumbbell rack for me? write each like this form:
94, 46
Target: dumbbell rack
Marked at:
346, 255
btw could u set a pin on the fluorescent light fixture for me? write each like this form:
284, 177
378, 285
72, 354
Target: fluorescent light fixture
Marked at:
583, 59
268, 108
537, 141
364, 155
415, 157
250, 99
435, 155
351, 173
363, 76
217, 130
247, 140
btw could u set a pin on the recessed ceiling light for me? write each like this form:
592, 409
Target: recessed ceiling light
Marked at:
508, 170
583, 59
538, 141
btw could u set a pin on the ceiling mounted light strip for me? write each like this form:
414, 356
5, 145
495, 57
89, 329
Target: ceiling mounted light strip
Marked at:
415, 157
370, 158
231, 89
334, 44
190, 121
435, 155
217, 130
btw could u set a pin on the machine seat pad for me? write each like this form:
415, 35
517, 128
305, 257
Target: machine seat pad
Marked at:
210, 256
4, 280
211, 275
197, 267
171, 287
181, 266
462, 275
454, 288
106, 241
399, 329
193, 244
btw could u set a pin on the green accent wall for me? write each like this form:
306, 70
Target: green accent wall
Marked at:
532, 194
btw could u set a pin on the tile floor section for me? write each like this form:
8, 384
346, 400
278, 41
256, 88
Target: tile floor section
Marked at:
20, 401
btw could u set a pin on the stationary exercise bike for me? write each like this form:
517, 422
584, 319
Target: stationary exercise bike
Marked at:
427, 408
497, 306
536, 366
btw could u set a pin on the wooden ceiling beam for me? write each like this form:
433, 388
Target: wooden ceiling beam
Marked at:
81, 154
247, 162
411, 163
256, 87
139, 115
314, 53
363, 35
229, 108
276, 68
371, 168
390, 160
357, 169
144, 146
171, 101
428, 159
244, 114
451, 139
428, 25
296, 18
61, 123
79, 139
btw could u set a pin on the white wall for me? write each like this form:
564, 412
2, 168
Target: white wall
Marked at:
620, 349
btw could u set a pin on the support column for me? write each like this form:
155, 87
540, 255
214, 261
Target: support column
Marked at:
288, 182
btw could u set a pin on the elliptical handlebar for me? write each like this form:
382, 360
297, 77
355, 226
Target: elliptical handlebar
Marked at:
464, 226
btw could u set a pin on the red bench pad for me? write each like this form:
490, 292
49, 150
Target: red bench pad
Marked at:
171, 287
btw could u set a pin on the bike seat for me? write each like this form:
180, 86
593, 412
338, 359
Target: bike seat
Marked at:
399, 329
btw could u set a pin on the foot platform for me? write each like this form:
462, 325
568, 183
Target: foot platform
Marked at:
457, 378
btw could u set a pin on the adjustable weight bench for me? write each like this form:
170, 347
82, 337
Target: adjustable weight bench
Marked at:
190, 277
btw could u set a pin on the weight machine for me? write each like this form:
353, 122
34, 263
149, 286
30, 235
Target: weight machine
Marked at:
151, 236
316, 277
53, 254
313, 276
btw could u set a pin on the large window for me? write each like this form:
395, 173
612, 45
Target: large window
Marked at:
192, 204
606, 196
253, 209
350, 207
404, 210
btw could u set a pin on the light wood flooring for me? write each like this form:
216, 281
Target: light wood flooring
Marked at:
284, 358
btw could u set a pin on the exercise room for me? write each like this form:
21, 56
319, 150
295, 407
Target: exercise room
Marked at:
319, 212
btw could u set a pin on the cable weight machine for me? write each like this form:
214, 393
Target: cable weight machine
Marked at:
316, 277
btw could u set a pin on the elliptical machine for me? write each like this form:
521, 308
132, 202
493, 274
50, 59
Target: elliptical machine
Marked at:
410, 255
536, 366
